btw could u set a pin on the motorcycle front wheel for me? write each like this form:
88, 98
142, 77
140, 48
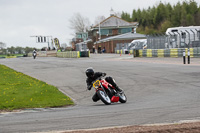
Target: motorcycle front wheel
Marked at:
104, 97
122, 97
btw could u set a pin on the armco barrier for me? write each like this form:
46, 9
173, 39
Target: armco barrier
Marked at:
194, 52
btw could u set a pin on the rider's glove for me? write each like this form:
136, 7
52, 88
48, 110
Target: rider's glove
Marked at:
89, 87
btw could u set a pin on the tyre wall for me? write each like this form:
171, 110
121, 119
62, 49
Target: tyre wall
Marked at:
194, 52
73, 54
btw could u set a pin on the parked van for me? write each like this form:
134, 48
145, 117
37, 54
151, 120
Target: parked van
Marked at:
138, 44
184, 36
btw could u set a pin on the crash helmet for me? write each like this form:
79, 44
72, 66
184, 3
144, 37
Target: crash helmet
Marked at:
89, 72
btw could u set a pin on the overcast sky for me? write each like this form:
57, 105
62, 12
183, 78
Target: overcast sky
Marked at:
20, 19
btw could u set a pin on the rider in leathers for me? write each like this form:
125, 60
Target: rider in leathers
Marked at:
34, 52
92, 76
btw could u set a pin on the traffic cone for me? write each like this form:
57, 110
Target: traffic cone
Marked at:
120, 54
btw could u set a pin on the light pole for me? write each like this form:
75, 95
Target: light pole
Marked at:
99, 31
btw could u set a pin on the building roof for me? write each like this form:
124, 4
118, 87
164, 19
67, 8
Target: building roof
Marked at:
114, 21
84, 42
126, 36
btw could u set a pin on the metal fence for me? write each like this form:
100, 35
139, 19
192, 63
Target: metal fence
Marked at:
81, 47
182, 39
120, 46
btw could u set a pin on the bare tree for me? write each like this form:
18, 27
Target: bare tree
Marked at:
118, 14
79, 23
99, 19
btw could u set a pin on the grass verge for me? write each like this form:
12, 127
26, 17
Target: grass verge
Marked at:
12, 56
19, 91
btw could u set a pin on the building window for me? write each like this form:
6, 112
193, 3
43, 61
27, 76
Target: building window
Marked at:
78, 36
106, 32
124, 30
82, 35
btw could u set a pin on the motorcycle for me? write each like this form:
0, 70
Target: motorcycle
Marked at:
34, 55
107, 93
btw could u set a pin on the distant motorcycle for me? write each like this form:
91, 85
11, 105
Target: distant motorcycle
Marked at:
107, 93
34, 55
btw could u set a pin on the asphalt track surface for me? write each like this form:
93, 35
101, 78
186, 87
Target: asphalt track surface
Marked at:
159, 90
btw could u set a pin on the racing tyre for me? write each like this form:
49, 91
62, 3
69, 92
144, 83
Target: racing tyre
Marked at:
122, 98
104, 97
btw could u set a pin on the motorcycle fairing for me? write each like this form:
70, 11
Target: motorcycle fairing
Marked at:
105, 83
114, 99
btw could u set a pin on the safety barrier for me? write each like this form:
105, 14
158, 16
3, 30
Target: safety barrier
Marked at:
69, 54
39, 54
119, 51
178, 52
73, 54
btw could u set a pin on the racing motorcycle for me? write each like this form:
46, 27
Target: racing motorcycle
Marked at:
107, 93
34, 55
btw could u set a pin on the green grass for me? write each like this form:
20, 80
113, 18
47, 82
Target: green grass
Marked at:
2, 55
19, 91
11, 56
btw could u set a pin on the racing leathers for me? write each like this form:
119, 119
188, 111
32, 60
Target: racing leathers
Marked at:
96, 75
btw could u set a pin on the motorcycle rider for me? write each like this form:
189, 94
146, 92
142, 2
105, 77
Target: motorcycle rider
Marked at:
34, 51
92, 76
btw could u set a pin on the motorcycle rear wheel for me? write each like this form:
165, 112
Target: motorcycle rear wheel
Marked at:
104, 97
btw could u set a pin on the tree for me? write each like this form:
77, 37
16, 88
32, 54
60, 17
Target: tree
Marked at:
197, 18
189, 20
158, 18
168, 11
11, 50
176, 15
160, 14
139, 15
118, 14
4, 51
19, 50
192, 7
28, 49
99, 19
134, 15
164, 26
183, 14
79, 23
144, 18
151, 15
2, 45
126, 16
